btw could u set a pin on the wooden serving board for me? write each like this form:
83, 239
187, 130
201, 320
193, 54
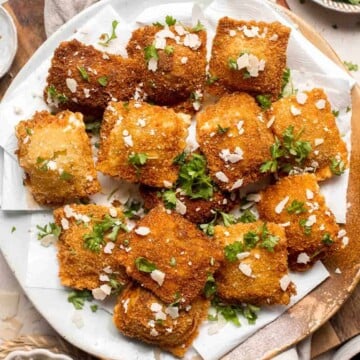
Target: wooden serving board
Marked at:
345, 324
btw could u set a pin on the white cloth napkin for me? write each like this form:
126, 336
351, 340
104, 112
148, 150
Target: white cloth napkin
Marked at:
58, 12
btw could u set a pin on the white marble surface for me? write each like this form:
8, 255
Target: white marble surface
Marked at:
346, 42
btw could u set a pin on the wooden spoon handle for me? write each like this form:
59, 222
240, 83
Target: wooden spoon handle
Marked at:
283, 3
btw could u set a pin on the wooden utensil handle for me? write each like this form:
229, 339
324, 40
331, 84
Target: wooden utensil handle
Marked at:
283, 3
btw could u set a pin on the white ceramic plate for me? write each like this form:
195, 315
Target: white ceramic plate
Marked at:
8, 41
339, 6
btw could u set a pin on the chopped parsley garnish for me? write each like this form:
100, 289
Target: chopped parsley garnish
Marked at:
107, 227
284, 154
13, 229
210, 287
232, 64
83, 73
78, 298
28, 131
138, 159
116, 286
172, 261
209, 228
66, 176
144, 265
106, 38
231, 312
268, 241
251, 238
170, 20
285, 80
168, 49
232, 250
169, 198
336, 113
48, 229
211, 79
103, 80
180, 159
193, 178
55, 95
158, 24
93, 127
337, 166
247, 217
264, 101
222, 130
151, 53
94, 308
327, 240
296, 207
350, 66
307, 229
228, 219
198, 27
132, 207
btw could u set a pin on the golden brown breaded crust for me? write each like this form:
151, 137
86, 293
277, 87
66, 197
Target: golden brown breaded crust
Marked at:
312, 246
81, 267
234, 124
140, 128
318, 126
178, 249
119, 77
198, 211
268, 268
230, 42
55, 153
133, 316
179, 74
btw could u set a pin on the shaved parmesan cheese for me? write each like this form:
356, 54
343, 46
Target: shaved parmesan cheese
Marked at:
104, 277
341, 233
71, 84
106, 289
285, 282
125, 305
222, 177
270, 122
245, 269
280, 206
180, 207
320, 104
295, 111
301, 98
303, 258
48, 240
192, 41
152, 64
243, 255
173, 311
112, 212
232, 33
318, 141
109, 247
65, 224
155, 307
153, 332
158, 276
253, 197
142, 230
309, 194
311, 220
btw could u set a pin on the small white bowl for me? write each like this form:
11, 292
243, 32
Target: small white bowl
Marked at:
8, 41
36, 354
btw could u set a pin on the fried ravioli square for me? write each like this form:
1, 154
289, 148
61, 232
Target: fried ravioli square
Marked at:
55, 153
170, 256
173, 59
235, 140
248, 56
255, 269
84, 79
141, 315
86, 250
295, 202
309, 114
139, 142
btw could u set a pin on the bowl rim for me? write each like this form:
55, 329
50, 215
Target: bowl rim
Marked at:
34, 352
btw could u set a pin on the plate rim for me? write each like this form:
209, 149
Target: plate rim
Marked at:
339, 6
47, 45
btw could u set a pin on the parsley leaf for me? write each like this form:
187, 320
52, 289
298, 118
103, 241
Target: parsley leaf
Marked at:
250, 313
264, 101
198, 27
66, 176
222, 130
268, 241
350, 66
210, 286
251, 238
93, 127
138, 159
327, 240
144, 265
170, 20
285, 80
169, 198
232, 250
103, 80
94, 308
172, 261
169, 49
296, 207
247, 217
83, 73
106, 37
228, 219
336, 113
337, 166
180, 159
232, 64
55, 95
13, 229
116, 286
151, 53
193, 178
209, 228
307, 229
48, 229
78, 298
211, 79
132, 207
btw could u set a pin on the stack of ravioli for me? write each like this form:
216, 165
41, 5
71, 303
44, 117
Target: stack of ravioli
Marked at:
200, 235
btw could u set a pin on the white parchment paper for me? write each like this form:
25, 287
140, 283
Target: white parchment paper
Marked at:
311, 68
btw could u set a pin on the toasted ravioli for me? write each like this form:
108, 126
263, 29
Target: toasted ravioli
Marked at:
55, 153
195, 210
310, 227
170, 256
134, 131
173, 61
248, 56
309, 113
84, 79
235, 140
257, 271
82, 267
141, 315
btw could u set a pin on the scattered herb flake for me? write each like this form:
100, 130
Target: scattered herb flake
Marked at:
103, 80
210, 286
66, 176
55, 95
169, 198
264, 101
232, 250
232, 64
211, 79
327, 240
94, 308
337, 166
228, 219
172, 261
307, 229
83, 73
144, 265
78, 298
106, 37
151, 53
13, 229
48, 229
350, 66
296, 207
198, 27
168, 49
170, 20
93, 127
222, 130
247, 217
